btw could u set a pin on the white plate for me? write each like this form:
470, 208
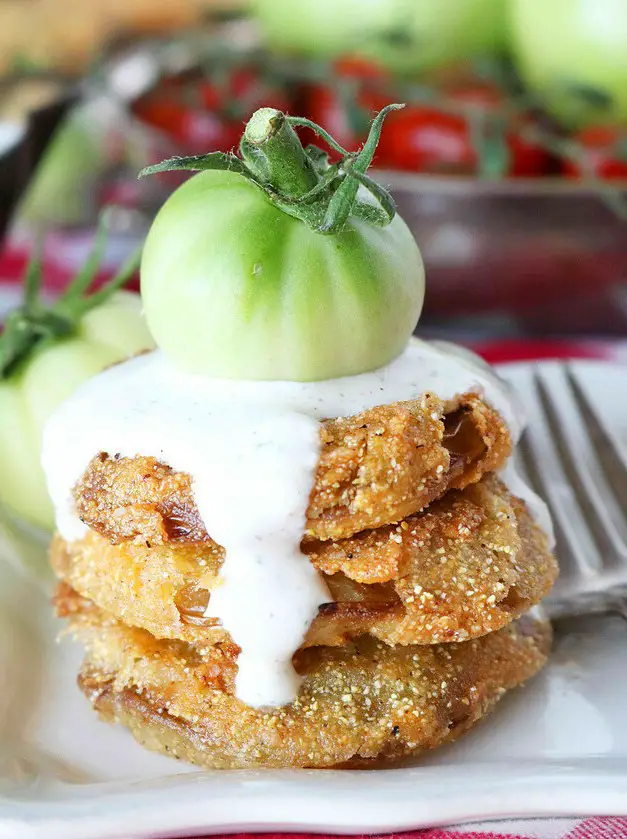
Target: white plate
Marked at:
556, 747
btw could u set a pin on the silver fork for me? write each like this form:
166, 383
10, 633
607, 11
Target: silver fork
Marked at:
577, 462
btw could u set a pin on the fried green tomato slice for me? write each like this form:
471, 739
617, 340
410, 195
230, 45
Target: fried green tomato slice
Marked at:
365, 703
375, 469
469, 564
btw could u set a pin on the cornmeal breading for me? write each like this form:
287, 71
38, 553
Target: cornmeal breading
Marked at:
360, 703
467, 565
431, 566
375, 468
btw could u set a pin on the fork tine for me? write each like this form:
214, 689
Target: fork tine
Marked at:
569, 563
573, 545
576, 546
611, 449
582, 466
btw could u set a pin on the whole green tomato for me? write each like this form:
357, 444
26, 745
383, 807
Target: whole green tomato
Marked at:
29, 393
278, 265
234, 287
573, 55
403, 35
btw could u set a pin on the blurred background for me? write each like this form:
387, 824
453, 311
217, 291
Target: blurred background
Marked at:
509, 162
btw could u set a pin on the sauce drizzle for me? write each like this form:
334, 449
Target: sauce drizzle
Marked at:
251, 449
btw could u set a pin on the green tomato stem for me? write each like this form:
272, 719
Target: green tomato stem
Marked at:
301, 182
32, 281
320, 131
272, 150
87, 272
342, 203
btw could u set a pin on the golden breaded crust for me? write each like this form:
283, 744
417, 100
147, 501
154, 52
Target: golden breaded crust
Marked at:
468, 565
363, 702
375, 468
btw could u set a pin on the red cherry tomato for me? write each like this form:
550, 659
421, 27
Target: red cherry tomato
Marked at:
355, 67
526, 159
346, 106
194, 129
211, 96
327, 108
241, 93
161, 112
423, 139
439, 138
602, 158
203, 115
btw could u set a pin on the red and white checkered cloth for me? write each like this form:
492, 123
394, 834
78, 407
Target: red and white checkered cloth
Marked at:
597, 828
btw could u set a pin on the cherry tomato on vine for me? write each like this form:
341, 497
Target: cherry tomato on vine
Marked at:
194, 129
208, 113
604, 152
426, 139
467, 132
240, 93
345, 105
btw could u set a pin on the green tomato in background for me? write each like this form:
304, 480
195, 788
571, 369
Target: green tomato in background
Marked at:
573, 55
403, 35
107, 334
234, 287
61, 190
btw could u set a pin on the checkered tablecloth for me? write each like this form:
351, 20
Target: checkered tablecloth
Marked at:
597, 828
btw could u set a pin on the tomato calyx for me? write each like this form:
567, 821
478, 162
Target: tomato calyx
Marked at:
301, 182
34, 325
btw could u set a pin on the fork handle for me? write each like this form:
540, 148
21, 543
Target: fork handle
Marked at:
593, 603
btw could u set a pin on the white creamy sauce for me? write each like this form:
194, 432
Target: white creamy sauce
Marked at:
251, 449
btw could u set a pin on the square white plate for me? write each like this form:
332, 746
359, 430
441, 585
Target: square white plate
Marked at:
556, 747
